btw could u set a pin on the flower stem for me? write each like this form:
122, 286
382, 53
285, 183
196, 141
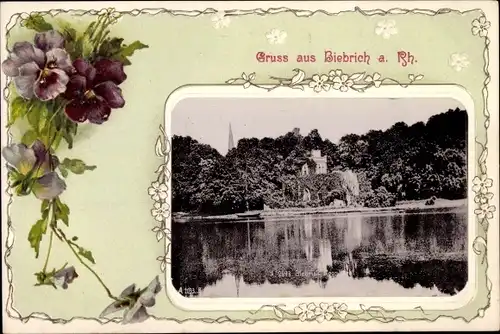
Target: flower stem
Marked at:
53, 221
48, 252
88, 267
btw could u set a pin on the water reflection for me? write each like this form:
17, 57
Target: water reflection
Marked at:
355, 255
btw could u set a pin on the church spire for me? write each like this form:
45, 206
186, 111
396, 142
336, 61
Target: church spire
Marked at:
230, 144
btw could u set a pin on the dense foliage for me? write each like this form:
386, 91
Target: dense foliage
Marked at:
402, 163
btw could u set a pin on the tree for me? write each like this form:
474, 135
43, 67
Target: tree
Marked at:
404, 162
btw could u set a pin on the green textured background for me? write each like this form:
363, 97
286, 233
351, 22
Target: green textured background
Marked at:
110, 207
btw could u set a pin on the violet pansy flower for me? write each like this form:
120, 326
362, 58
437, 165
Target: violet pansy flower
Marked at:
135, 302
65, 276
36, 164
41, 69
93, 90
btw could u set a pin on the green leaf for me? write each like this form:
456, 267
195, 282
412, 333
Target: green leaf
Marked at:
37, 22
49, 132
18, 109
37, 115
69, 139
63, 170
68, 131
128, 51
45, 209
70, 37
29, 137
76, 166
15, 176
115, 49
110, 47
57, 140
122, 59
90, 30
75, 238
83, 47
43, 118
36, 233
45, 206
86, 254
62, 212
68, 32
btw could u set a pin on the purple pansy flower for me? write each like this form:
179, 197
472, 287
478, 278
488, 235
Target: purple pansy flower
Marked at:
39, 70
36, 163
135, 302
65, 276
93, 91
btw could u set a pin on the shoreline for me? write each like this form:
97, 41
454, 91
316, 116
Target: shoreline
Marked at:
408, 207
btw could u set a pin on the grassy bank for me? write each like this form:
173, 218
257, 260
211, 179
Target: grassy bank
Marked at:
407, 206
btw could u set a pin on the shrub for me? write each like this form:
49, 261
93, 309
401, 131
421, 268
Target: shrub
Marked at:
377, 198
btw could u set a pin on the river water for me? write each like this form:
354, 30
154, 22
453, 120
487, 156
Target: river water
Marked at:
354, 255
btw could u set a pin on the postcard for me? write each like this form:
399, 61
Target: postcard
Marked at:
249, 166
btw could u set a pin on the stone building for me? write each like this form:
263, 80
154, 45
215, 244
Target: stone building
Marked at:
321, 164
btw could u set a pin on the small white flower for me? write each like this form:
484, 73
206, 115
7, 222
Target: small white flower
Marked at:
319, 83
483, 198
342, 83
324, 312
305, 312
485, 211
161, 232
276, 36
375, 79
334, 73
220, 20
459, 61
340, 309
480, 26
161, 211
158, 192
481, 184
386, 28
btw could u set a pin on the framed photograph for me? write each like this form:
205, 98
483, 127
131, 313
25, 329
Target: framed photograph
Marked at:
249, 166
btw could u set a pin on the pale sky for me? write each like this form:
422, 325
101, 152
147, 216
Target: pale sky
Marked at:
207, 119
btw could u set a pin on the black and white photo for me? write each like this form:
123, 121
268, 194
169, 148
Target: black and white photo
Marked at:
319, 197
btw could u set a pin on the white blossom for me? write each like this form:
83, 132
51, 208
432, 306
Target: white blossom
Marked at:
483, 198
459, 61
481, 184
305, 311
324, 312
342, 83
276, 36
376, 79
161, 211
220, 20
386, 28
319, 83
480, 26
485, 211
158, 191
340, 310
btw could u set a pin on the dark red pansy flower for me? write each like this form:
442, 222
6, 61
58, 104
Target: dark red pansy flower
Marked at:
93, 90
